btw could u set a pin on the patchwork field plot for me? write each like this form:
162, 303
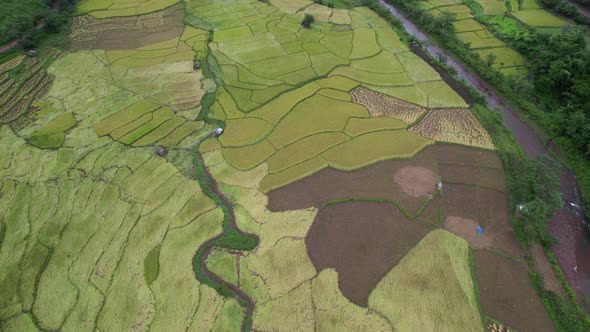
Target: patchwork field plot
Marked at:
382, 105
488, 209
477, 35
454, 126
126, 32
21, 82
431, 287
112, 207
52, 135
264, 51
115, 8
332, 156
506, 293
344, 231
333, 185
540, 18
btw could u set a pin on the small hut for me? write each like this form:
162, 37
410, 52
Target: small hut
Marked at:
161, 151
31, 53
521, 211
217, 132
196, 65
439, 187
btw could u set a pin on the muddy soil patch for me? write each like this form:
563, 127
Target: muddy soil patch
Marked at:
362, 241
416, 181
492, 178
120, 33
379, 181
466, 206
458, 154
506, 293
466, 229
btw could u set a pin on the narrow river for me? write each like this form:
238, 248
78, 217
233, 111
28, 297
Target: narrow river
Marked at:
571, 217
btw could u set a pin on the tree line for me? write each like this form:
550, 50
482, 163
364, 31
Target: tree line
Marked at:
30, 20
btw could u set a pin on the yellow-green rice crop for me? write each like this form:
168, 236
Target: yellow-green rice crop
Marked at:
431, 288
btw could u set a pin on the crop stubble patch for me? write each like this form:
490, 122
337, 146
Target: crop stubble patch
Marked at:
380, 105
125, 33
344, 238
454, 126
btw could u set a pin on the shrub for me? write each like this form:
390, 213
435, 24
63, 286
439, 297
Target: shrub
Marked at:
308, 19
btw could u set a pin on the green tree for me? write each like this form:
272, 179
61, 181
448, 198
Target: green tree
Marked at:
308, 19
491, 59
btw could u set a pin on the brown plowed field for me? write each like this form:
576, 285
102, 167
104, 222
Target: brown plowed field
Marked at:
507, 295
121, 33
492, 178
451, 153
409, 183
479, 206
362, 241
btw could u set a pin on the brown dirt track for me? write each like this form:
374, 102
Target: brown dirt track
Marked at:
121, 33
544, 268
506, 293
362, 241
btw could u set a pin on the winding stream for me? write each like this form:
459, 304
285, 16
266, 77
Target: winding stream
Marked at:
579, 275
200, 258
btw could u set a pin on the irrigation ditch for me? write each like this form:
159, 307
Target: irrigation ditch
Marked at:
231, 238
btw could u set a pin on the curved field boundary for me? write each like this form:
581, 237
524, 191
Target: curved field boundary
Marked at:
232, 238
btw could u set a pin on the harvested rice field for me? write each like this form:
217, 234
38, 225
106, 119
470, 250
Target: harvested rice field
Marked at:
131, 32
212, 165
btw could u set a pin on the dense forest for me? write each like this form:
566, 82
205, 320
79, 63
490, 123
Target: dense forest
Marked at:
560, 66
20, 19
584, 3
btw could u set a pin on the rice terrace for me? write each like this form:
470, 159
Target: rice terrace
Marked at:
293, 165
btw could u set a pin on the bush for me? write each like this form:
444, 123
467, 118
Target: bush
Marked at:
308, 19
